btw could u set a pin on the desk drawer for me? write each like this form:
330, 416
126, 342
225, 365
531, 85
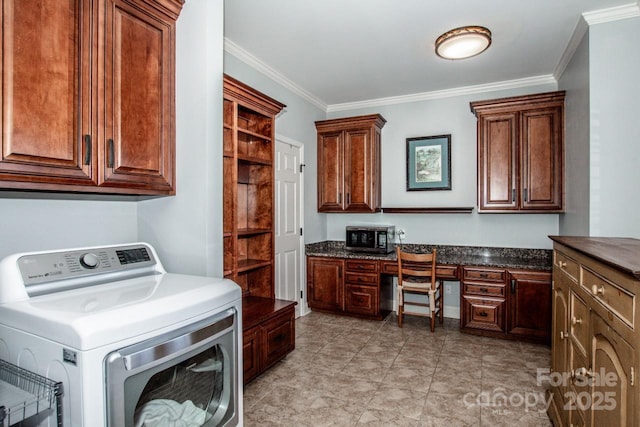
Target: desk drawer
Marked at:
483, 274
362, 266
608, 294
361, 300
483, 313
447, 272
361, 279
566, 265
484, 289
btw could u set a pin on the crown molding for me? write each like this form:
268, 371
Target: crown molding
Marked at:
255, 63
578, 33
591, 18
446, 93
617, 13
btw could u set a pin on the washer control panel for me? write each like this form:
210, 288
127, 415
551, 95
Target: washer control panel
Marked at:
54, 266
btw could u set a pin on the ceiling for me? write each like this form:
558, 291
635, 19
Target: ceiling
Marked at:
338, 52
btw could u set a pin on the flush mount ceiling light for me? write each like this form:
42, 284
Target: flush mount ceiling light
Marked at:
463, 42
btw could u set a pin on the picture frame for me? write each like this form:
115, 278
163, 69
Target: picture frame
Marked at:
429, 163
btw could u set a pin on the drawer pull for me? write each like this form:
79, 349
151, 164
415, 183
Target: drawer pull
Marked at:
278, 338
483, 314
484, 290
564, 335
484, 275
576, 321
597, 290
562, 264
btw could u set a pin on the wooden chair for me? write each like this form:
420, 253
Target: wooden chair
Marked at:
417, 275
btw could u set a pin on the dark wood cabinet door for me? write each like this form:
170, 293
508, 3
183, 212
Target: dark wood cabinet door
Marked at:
46, 94
139, 91
359, 170
530, 304
250, 354
325, 283
497, 161
330, 172
541, 159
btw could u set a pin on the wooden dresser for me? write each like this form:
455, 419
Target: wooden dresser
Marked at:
594, 361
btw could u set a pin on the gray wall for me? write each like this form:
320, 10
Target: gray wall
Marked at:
436, 117
614, 128
575, 80
187, 229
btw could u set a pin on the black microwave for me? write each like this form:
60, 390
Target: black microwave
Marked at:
375, 239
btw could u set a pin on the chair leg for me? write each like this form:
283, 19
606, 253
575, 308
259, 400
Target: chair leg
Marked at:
400, 308
441, 304
433, 321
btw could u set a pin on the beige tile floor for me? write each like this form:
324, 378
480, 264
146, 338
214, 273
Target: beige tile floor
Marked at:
353, 372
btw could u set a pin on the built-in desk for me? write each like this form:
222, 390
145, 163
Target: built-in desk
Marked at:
505, 292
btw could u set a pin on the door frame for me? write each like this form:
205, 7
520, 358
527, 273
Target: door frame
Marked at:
302, 302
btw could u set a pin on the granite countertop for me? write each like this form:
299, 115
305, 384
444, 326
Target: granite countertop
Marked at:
527, 259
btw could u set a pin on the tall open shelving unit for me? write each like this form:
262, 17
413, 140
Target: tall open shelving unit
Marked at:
248, 224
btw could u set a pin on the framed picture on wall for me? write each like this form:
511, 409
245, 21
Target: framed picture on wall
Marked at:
429, 163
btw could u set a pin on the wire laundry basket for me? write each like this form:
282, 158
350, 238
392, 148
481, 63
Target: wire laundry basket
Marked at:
24, 393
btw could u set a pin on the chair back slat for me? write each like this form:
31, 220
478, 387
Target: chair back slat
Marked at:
416, 265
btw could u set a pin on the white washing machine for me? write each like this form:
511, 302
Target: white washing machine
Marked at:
131, 344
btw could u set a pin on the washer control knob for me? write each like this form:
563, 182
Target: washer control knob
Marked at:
89, 260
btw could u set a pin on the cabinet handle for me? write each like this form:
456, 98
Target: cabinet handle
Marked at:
111, 154
562, 264
564, 335
484, 275
576, 321
278, 338
513, 195
583, 373
339, 198
348, 198
484, 290
597, 290
513, 286
526, 195
483, 314
87, 149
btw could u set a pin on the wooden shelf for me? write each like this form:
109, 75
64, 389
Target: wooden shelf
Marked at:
252, 264
254, 160
252, 231
254, 134
434, 210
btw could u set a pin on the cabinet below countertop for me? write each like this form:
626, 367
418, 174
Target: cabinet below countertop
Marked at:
505, 292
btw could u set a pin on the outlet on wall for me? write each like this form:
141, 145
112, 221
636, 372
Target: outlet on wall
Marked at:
401, 233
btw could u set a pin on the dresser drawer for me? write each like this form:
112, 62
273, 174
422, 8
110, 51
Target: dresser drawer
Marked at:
361, 279
362, 266
616, 299
566, 265
484, 274
484, 289
579, 323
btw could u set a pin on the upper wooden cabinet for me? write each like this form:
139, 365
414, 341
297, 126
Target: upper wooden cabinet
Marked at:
520, 153
88, 96
349, 164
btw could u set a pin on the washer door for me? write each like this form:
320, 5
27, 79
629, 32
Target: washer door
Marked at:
188, 377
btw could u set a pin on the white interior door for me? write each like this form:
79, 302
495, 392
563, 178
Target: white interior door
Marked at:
289, 251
